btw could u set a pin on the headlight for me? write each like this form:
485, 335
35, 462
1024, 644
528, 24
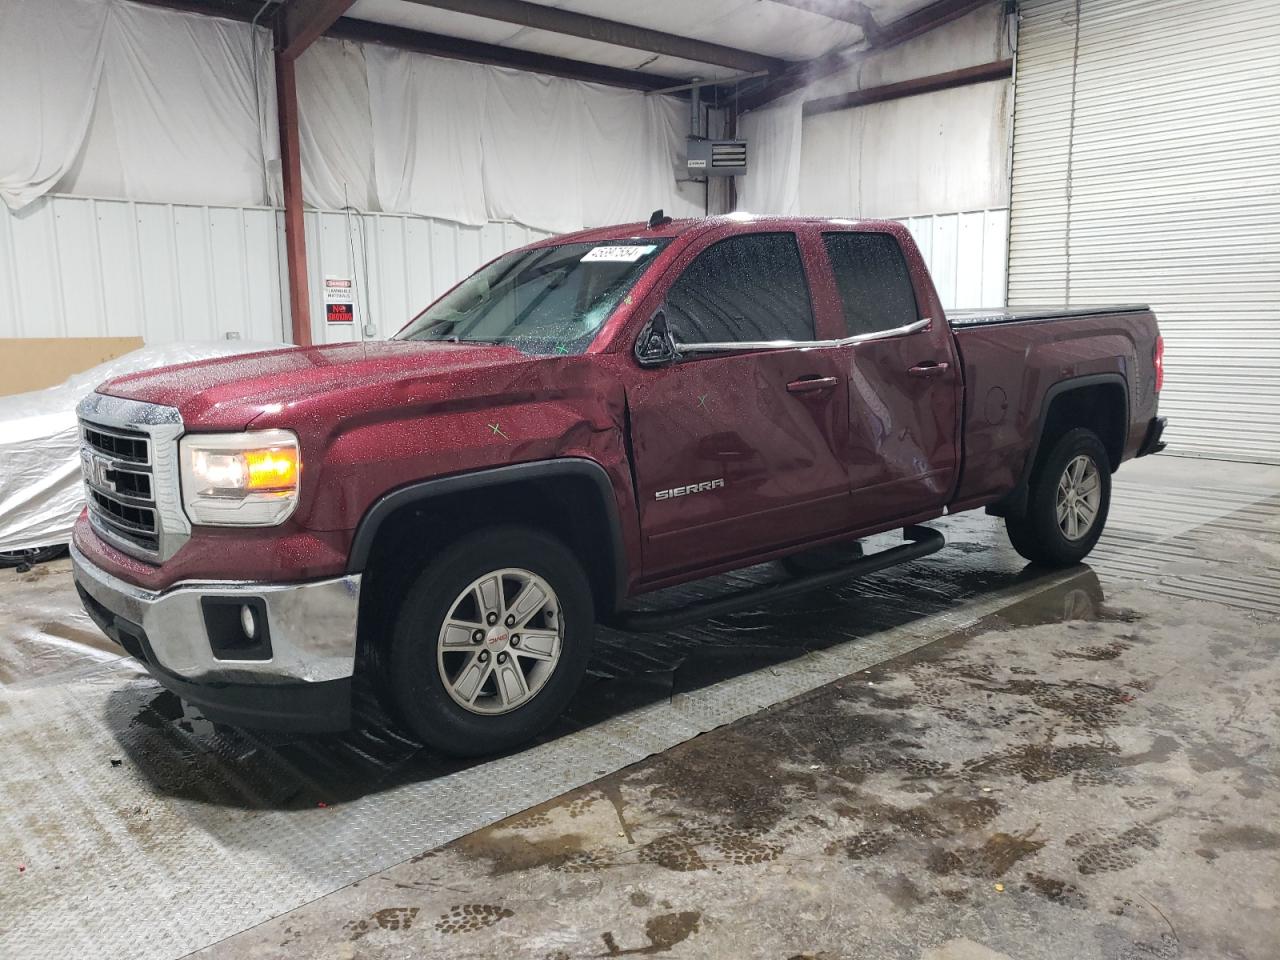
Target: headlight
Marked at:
240, 479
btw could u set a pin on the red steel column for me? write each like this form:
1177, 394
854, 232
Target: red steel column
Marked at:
294, 235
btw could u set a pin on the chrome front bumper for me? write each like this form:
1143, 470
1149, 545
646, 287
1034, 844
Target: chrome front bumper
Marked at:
312, 626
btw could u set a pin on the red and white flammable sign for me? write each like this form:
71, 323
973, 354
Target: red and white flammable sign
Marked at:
339, 300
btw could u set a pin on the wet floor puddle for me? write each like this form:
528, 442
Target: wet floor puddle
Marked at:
856, 757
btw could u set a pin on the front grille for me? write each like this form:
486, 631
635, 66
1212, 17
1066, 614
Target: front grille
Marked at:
129, 447
117, 468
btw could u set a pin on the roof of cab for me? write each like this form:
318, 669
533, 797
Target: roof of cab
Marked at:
674, 228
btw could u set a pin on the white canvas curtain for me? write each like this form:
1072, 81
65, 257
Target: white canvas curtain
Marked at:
532, 139
50, 66
108, 98
178, 116
773, 185
115, 99
426, 135
477, 143
335, 127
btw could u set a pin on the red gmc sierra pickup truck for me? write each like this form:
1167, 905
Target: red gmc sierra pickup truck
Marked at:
581, 421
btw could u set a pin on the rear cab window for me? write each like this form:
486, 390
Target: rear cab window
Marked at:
743, 289
875, 285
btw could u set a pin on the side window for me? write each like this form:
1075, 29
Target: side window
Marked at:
875, 287
745, 288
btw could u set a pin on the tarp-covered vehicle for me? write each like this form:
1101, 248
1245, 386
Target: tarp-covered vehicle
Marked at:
41, 494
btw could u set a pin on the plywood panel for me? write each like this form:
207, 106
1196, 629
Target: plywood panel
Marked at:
36, 363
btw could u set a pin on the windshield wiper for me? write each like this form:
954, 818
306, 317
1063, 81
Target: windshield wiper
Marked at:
454, 338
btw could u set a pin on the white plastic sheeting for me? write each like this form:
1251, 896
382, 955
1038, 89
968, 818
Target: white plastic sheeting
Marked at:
40, 490
772, 185
335, 127
426, 134
48, 82
178, 116
916, 156
111, 98
471, 143
117, 99
936, 153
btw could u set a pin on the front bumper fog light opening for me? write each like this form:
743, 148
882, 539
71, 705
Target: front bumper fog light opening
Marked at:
238, 628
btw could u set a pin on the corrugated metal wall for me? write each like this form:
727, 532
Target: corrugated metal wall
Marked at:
966, 255
73, 267
78, 267
399, 264
1147, 168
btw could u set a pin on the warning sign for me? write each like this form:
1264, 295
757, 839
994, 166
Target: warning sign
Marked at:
339, 300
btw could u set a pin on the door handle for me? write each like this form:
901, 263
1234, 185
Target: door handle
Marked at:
811, 384
929, 369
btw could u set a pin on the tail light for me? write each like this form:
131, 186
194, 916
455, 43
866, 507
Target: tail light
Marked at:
1159, 358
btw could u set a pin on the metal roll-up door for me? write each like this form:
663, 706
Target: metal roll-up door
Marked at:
1146, 168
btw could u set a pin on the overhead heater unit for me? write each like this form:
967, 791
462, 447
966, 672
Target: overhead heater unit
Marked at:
716, 158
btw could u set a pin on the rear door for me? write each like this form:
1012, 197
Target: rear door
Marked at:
740, 450
904, 383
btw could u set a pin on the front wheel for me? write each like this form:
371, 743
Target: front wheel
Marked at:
490, 642
1067, 503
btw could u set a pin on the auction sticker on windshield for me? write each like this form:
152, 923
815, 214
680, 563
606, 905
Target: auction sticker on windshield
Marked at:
617, 254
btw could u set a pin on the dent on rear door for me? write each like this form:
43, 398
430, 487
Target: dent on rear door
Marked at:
902, 429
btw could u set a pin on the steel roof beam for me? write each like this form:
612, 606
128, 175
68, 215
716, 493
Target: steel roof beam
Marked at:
455, 48
913, 25
925, 19
966, 76
556, 20
300, 22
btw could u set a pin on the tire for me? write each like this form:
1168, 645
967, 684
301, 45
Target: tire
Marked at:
1039, 535
429, 671
32, 555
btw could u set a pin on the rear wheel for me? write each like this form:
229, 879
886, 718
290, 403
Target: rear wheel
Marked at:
490, 642
1067, 502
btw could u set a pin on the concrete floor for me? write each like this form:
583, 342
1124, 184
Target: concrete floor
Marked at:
1007, 764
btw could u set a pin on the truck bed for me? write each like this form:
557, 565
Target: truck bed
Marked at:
1013, 359
987, 317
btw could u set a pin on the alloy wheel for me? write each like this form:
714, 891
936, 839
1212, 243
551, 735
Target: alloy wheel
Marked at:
1079, 497
500, 642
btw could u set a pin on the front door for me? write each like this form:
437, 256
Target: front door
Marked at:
739, 451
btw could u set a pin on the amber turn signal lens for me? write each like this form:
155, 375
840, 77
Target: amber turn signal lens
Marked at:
271, 470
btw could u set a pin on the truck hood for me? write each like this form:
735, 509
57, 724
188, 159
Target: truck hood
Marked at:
229, 393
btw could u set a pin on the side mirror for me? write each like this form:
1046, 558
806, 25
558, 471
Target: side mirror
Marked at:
656, 346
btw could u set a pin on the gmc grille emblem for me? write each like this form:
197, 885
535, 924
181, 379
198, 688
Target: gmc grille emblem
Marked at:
97, 471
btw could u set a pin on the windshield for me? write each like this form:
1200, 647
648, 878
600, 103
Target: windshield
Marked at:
550, 300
